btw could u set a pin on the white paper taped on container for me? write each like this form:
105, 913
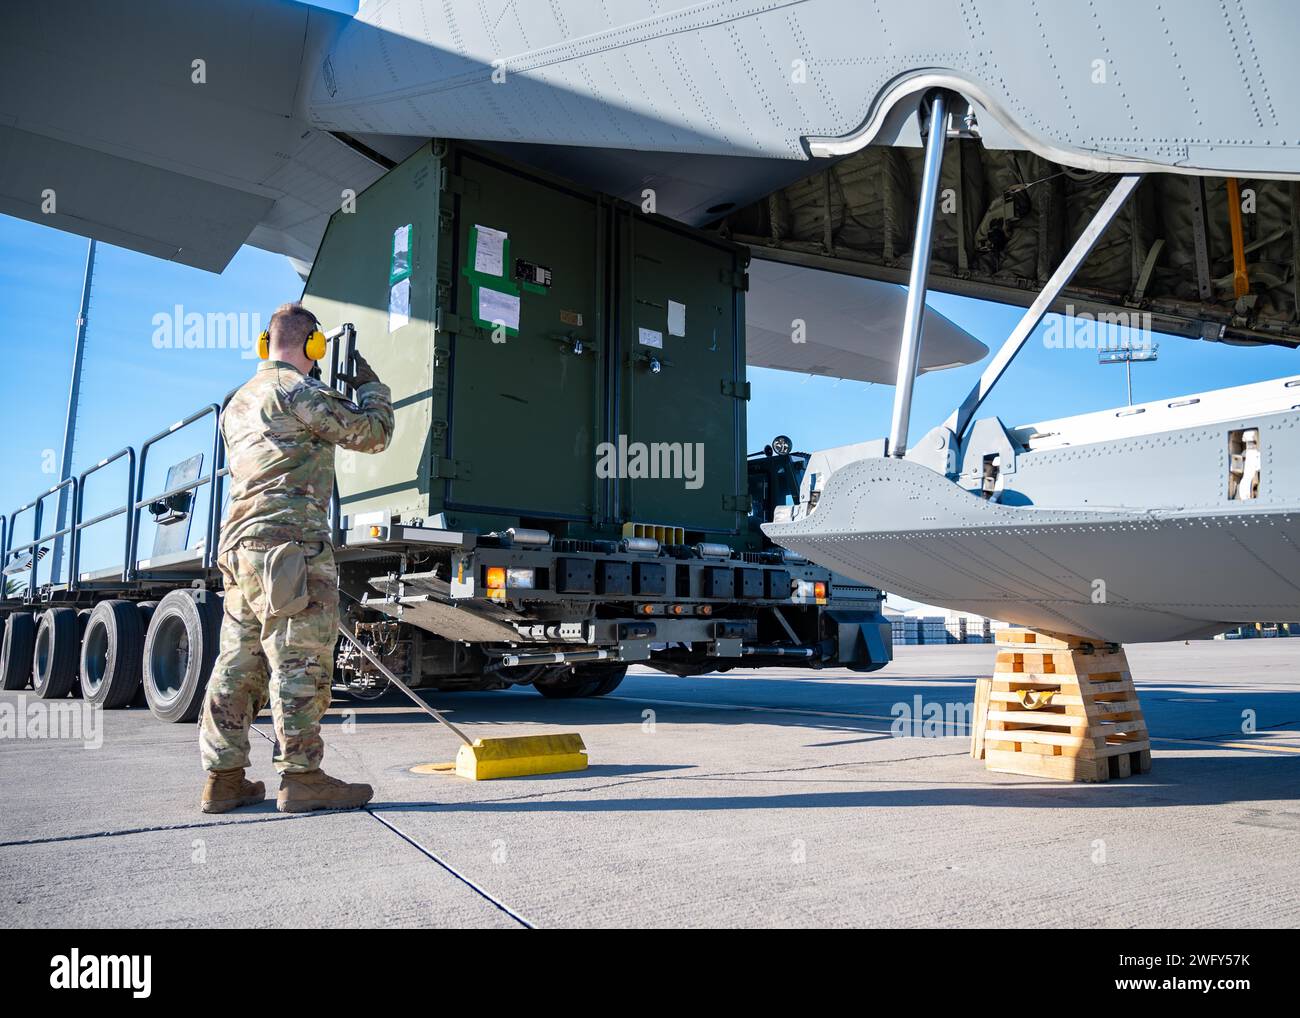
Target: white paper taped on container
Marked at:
489, 250
649, 337
497, 307
399, 304
676, 319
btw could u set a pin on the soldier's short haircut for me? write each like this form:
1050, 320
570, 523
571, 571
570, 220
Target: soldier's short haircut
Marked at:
291, 325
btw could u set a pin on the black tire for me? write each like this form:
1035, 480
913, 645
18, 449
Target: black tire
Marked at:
83, 620
564, 690
111, 653
58, 652
581, 682
611, 679
16, 652
146, 613
179, 650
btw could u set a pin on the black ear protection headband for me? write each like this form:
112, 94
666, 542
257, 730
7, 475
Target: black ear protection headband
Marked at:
313, 346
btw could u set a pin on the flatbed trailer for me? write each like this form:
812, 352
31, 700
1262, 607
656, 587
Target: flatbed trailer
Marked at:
473, 553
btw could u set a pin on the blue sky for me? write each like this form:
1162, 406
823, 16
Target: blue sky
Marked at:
1042, 383
132, 388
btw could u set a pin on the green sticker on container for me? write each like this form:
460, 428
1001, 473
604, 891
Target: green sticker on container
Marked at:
400, 266
496, 298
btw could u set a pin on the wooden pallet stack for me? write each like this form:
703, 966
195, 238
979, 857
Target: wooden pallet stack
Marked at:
1059, 707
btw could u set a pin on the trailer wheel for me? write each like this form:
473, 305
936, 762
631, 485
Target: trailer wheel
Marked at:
111, 653
16, 652
179, 650
146, 613
58, 650
591, 680
83, 620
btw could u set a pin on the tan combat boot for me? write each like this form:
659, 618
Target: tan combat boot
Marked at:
301, 791
227, 790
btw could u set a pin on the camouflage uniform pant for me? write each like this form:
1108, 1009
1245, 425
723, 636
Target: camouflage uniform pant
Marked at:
290, 658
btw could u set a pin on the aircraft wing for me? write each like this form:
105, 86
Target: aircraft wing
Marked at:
105, 131
825, 323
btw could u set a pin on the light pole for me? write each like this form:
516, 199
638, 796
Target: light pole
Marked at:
1126, 355
70, 423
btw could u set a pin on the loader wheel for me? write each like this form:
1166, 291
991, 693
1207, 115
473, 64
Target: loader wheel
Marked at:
16, 652
179, 650
591, 680
111, 653
612, 678
58, 649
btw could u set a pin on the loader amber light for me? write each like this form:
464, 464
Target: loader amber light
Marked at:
375, 531
819, 589
496, 578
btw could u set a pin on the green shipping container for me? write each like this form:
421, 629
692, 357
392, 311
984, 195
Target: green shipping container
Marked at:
558, 359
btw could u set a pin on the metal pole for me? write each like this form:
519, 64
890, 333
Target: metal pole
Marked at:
909, 347
383, 670
70, 422
959, 420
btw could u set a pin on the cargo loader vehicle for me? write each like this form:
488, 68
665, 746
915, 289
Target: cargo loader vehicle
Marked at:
567, 491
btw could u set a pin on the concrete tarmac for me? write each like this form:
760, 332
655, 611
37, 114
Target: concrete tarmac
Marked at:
774, 798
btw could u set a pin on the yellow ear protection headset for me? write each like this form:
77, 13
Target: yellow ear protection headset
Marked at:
313, 346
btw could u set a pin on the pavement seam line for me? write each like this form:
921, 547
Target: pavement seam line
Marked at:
434, 857
159, 829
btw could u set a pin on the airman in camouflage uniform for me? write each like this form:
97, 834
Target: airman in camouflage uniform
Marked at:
281, 605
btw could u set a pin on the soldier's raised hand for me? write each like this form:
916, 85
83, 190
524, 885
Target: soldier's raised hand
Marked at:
361, 373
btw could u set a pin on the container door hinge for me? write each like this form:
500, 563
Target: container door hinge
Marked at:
443, 322
736, 503
450, 470
740, 390
736, 280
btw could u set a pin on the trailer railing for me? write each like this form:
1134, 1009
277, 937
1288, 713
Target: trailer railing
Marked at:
212, 477
78, 525
136, 502
38, 539
4, 557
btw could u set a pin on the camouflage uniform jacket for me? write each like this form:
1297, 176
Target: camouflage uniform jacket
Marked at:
280, 430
